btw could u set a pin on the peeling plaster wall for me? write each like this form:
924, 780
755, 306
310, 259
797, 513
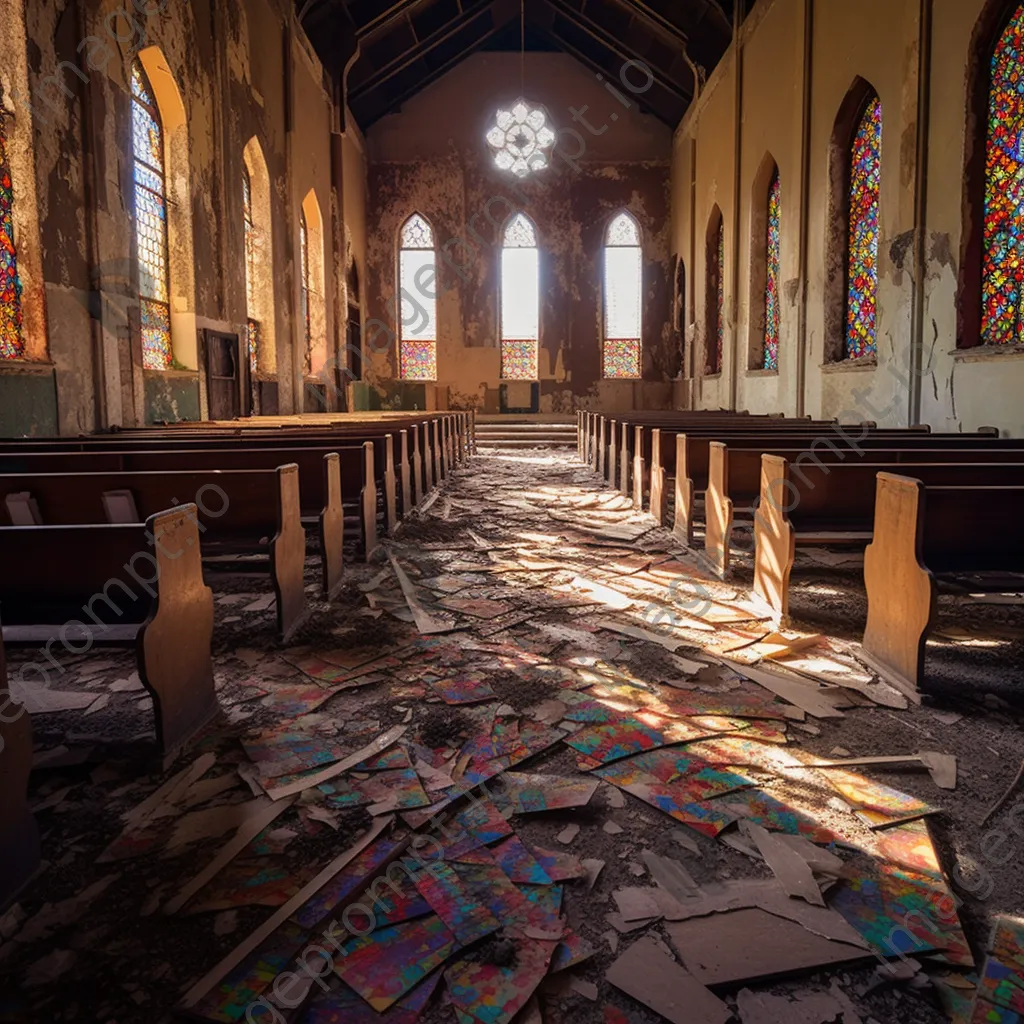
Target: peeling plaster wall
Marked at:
959, 390
432, 158
228, 62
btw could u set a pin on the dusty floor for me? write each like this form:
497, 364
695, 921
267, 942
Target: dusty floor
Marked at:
89, 939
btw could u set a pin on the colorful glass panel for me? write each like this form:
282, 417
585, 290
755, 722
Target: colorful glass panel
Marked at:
419, 360
253, 333
862, 259
623, 298
156, 335
621, 358
772, 310
519, 360
716, 296
12, 344
1002, 322
150, 224
304, 271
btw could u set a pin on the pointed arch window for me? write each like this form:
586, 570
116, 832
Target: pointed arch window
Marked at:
307, 311
773, 263
861, 337
623, 299
1002, 320
12, 342
417, 277
715, 293
151, 224
253, 325
520, 300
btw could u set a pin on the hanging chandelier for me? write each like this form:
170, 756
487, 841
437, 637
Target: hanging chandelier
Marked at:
521, 139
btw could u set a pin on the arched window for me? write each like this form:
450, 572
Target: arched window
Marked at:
623, 299
1002, 319
151, 224
773, 251
520, 300
715, 292
865, 176
307, 313
259, 262
253, 325
417, 277
12, 343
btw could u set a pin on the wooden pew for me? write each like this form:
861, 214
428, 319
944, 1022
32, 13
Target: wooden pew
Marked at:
835, 504
918, 532
355, 467
694, 457
19, 834
82, 585
735, 480
240, 511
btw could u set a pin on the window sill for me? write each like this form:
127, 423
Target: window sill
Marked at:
621, 380
708, 375
984, 353
173, 374
851, 365
762, 373
25, 367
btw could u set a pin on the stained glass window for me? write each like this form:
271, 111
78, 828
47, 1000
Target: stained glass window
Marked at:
250, 272
862, 260
417, 282
151, 224
520, 300
1002, 322
12, 344
715, 270
307, 313
623, 298
772, 310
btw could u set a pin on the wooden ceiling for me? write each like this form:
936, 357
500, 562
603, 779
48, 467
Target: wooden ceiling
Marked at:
404, 45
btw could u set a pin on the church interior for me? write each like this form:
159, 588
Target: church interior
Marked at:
490, 511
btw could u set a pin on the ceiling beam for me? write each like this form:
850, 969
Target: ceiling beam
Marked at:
587, 61
394, 11
654, 18
421, 84
399, 64
605, 39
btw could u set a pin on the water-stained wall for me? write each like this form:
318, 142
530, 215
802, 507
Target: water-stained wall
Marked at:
242, 72
431, 158
799, 63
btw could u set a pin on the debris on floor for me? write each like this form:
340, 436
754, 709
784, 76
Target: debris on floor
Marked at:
561, 775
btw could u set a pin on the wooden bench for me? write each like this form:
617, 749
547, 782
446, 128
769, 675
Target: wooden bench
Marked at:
240, 512
694, 457
234, 453
735, 480
920, 531
358, 476
142, 584
835, 504
19, 834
